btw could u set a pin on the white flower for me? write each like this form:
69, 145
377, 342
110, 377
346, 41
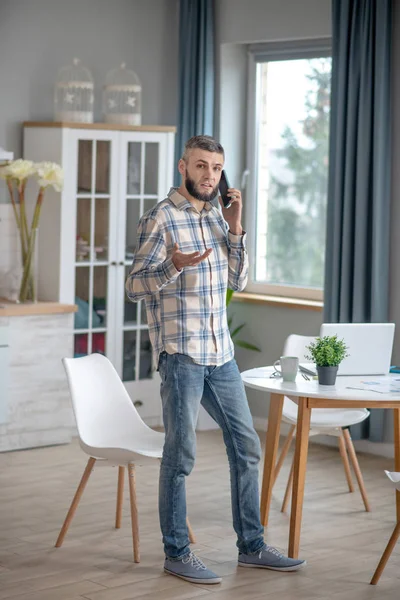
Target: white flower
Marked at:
50, 173
4, 174
18, 169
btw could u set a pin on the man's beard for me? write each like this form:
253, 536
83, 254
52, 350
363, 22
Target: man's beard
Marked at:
202, 196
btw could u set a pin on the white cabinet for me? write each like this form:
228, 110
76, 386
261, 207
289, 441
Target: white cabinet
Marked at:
87, 236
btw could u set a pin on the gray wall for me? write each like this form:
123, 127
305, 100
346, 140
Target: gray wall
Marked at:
270, 20
38, 37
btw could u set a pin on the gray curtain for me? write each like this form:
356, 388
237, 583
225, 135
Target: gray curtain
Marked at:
196, 72
358, 214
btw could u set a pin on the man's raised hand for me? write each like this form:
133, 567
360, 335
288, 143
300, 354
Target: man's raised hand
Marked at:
182, 260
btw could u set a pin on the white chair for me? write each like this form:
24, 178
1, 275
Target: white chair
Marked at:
110, 430
325, 421
395, 479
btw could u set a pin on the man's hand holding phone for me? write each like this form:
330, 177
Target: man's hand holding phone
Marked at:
231, 204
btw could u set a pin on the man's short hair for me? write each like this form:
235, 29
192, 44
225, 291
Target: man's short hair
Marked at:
204, 142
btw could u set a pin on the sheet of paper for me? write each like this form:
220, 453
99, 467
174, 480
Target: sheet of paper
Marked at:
383, 386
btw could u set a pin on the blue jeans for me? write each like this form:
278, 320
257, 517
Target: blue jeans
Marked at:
184, 386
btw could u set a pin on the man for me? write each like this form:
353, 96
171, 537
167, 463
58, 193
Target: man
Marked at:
187, 254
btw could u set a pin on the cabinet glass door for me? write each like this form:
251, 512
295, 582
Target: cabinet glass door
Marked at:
92, 246
141, 194
142, 172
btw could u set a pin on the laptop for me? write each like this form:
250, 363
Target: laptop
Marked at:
369, 346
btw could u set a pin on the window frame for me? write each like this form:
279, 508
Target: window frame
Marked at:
260, 53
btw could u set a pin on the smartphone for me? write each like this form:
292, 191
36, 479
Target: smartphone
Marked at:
223, 190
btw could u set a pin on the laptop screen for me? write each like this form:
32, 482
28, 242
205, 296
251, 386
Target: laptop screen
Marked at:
370, 346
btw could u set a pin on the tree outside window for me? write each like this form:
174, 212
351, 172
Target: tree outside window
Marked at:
293, 141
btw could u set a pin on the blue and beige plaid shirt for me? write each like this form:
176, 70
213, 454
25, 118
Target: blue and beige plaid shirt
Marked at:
186, 310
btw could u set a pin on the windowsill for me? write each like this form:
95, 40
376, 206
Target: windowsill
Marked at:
316, 305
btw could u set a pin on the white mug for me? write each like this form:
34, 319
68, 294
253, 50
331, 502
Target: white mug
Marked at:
289, 367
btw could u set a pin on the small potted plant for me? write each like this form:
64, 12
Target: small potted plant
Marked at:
327, 353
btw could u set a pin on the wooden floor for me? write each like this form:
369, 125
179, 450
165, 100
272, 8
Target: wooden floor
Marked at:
341, 542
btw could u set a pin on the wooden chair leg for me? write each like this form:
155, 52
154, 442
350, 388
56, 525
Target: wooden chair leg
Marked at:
396, 425
356, 467
134, 513
345, 459
285, 450
288, 488
386, 555
120, 497
75, 501
192, 537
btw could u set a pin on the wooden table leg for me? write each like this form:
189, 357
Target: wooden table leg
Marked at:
396, 419
271, 450
299, 475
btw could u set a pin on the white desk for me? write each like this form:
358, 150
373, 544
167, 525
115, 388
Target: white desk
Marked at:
312, 395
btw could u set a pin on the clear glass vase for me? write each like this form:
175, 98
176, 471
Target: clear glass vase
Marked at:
29, 279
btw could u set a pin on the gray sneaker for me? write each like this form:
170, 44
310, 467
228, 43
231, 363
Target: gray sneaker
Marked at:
192, 569
270, 558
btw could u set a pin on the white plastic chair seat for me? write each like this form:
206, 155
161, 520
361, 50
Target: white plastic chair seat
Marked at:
325, 418
394, 477
150, 444
123, 456
109, 425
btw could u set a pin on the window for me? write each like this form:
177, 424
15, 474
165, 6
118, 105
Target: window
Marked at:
288, 133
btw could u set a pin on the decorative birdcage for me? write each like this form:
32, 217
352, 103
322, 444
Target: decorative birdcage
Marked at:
122, 97
73, 94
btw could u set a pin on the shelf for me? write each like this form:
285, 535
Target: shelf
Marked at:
93, 330
90, 195
23, 309
100, 263
127, 263
139, 196
100, 126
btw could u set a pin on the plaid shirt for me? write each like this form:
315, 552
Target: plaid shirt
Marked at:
186, 310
